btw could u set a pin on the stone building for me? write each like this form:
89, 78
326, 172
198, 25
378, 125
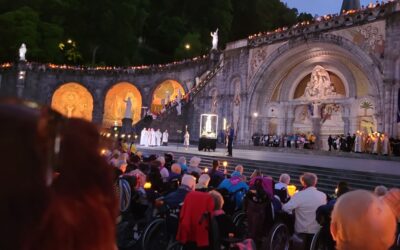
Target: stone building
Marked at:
336, 75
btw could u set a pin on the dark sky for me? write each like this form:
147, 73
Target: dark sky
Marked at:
320, 7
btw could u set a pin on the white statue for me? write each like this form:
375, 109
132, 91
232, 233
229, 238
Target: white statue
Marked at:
128, 109
179, 108
214, 36
208, 124
22, 52
320, 85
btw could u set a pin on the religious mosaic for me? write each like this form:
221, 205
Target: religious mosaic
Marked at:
73, 100
167, 91
370, 37
258, 56
116, 102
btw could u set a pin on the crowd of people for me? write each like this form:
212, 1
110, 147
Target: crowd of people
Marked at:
285, 140
373, 143
63, 192
312, 207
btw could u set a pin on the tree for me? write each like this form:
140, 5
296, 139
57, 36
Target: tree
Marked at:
253, 16
24, 26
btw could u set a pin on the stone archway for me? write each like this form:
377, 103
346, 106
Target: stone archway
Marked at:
165, 92
278, 76
114, 105
73, 100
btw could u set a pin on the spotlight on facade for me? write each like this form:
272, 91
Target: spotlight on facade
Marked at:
255, 114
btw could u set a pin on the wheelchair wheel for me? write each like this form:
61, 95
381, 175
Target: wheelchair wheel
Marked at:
175, 246
278, 238
317, 242
155, 235
240, 222
128, 234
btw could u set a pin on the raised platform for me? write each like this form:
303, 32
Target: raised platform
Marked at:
358, 172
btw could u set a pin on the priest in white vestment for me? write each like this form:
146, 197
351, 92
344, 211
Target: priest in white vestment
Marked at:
143, 137
158, 137
152, 138
165, 138
147, 138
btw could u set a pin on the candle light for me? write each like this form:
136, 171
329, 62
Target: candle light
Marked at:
291, 190
147, 185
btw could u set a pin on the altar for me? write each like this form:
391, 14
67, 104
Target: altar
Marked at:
208, 132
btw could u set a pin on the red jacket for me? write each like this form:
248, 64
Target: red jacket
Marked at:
193, 225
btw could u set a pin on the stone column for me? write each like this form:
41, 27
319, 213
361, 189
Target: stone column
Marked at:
389, 113
346, 119
266, 125
21, 79
316, 124
98, 107
281, 126
290, 119
353, 123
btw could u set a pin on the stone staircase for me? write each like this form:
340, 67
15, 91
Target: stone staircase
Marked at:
327, 177
148, 121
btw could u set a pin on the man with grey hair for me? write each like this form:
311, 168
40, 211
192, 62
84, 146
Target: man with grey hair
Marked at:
284, 181
281, 188
163, 170
305, 203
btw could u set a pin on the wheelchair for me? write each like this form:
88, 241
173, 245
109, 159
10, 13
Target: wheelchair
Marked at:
161, 232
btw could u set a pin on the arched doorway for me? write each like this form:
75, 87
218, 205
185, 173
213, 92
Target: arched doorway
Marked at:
114, 105
165, 92
73, 100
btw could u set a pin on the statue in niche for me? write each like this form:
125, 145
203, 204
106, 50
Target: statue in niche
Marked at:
214, 36
128, 109
22, 52
214, 102
70, 109
236, 107
320, 85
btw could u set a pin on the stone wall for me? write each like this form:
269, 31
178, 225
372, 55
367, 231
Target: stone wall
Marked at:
259, 75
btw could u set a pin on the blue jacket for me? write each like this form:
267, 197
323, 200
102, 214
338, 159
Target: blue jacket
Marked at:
234, 184
173, 199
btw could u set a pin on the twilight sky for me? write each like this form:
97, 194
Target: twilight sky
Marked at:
320, 7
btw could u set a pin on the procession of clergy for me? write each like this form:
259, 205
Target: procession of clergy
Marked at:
151, 138
373, 143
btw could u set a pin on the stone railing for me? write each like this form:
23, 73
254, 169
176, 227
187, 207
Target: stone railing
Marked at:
49, 67
188, 97
351, 18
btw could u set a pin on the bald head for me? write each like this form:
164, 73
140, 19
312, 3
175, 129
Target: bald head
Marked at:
360, 220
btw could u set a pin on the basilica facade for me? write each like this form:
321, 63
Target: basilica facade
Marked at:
337, 75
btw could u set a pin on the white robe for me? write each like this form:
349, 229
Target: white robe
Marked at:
165, 137
146, 138
152, 138
375, 145
158, 138
186, 141
143, 137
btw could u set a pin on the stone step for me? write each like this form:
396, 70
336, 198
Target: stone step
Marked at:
327, 177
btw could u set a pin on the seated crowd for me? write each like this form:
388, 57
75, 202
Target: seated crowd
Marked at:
70, 196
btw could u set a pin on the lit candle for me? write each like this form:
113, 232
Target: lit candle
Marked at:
147, 185
291, 190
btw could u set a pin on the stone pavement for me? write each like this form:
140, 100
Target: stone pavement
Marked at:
359, 162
